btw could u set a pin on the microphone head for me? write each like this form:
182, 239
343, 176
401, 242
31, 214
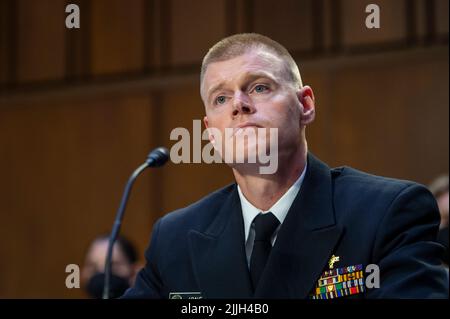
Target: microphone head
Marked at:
158, 157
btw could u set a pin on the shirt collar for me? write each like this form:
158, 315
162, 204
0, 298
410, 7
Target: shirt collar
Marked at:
279, 209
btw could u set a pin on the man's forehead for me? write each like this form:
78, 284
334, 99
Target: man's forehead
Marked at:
255, 61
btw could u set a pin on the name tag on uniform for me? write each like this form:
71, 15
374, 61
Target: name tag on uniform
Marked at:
185, 295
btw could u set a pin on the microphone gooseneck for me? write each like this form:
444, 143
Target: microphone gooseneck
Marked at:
156, 158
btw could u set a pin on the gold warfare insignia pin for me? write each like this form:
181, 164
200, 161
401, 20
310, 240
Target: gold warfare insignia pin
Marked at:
334, 259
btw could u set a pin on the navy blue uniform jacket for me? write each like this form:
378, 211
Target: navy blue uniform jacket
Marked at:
361, 218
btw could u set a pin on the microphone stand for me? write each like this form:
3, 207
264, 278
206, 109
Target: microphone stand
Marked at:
116, 227
157, 157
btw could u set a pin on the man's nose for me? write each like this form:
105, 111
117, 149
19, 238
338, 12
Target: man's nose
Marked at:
242, 104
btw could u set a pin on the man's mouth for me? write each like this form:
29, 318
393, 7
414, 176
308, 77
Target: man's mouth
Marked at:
241, 127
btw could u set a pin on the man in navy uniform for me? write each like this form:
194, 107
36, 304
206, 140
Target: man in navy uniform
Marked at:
305, 231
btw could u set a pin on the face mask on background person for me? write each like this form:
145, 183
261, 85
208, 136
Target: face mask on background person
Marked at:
118, 285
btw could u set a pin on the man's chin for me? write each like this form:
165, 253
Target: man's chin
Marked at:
243, 155
246, 168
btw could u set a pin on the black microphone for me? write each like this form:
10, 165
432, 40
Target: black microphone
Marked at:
157, 157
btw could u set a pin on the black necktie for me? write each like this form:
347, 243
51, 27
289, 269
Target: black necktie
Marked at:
265, 225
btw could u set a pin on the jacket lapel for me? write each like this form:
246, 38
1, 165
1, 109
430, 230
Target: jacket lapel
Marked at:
218, 255
306, 239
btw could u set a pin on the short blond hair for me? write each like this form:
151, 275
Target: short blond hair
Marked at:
239, 44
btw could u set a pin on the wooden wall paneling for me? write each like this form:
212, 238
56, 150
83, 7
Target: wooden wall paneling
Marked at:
165, 34
318, 25
442, 9
149, 36
117, 38
77, 44
40, 46
392, 23
412, 22
289, 22
158, 26
421, 25
328, 15
427, 100
231, 17
430, 19
333, 21
5, 40
370, 131
244, 21
249, 15
318, 134
383, 118
65, 166
203, 17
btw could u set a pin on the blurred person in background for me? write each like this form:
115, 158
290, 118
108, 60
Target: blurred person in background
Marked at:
439, 188
124, 267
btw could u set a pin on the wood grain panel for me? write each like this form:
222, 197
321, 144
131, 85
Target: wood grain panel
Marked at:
442, 18
420, 21
318, 133
40, 45
5, 40
64, 166
392, 22
117, 38
290, 22
202, 17
78, 65
390, 119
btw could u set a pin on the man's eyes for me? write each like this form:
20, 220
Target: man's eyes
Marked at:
261, 88
220, 99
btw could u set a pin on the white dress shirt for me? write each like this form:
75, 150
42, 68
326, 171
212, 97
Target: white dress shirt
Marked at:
279, 209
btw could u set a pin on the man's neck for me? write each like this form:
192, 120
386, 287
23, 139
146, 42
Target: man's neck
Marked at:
263, 191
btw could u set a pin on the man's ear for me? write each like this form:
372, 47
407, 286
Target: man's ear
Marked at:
306, 98
210, 135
